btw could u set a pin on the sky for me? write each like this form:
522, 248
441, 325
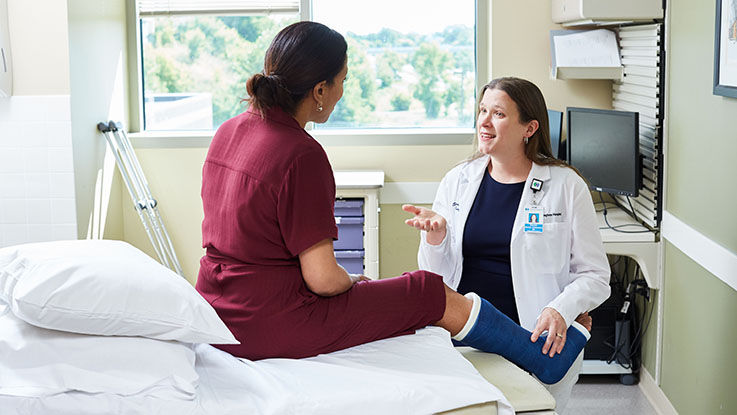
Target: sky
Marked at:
420, 16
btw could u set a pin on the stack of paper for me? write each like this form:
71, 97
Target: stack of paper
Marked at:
590, 54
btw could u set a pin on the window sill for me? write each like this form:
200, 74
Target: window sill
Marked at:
373, 137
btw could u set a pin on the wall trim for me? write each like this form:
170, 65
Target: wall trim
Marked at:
715, 258
655, 395
327, 138
408, 192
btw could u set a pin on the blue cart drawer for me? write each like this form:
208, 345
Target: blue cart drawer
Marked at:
350, 233
349, 207
352, 261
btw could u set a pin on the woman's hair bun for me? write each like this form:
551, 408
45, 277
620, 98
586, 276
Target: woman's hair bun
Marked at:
266, 91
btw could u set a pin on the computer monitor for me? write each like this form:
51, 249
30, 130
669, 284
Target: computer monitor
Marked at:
555, 120
604, 146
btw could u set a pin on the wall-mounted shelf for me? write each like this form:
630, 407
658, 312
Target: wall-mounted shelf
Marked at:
605, 12
590, 72
585, 54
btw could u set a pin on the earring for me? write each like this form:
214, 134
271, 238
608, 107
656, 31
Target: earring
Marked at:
319, 108
527, 140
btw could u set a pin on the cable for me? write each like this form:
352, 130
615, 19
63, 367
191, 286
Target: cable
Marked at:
643, 290
616, 228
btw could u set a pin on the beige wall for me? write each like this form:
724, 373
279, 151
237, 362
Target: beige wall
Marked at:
174, 176
520, 46
40, 63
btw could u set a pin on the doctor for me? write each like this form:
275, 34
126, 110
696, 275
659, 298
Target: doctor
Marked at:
517, 226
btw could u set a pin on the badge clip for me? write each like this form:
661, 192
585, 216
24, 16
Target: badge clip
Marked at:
536, 185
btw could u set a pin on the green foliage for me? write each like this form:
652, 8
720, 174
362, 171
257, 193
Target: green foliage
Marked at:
207, 54
388, 66
392, 75
457, 35
250, 29
430, 62
358, 90
400, 102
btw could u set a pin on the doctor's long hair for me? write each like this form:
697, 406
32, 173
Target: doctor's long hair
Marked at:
531, 106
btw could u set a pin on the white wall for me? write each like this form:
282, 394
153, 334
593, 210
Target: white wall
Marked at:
37, 198
97, 58
39, 46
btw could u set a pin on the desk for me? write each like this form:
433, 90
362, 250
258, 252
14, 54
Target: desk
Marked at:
642, 247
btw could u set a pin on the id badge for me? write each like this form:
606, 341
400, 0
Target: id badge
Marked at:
534, 219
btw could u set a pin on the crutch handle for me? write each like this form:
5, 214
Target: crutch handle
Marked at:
115, 126
144, 204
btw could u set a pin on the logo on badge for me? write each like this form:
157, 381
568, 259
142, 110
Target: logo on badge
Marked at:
536, 185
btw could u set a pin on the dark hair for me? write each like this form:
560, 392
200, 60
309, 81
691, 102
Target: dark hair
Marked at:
531, 106
301, 55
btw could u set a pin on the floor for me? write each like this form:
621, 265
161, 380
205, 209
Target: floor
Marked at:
604, 395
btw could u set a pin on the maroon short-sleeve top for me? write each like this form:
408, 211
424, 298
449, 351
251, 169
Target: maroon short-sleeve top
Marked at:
268, 191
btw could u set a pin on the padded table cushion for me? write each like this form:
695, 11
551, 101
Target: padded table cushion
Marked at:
523, 391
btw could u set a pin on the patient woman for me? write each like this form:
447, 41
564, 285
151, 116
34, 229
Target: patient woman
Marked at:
269, 269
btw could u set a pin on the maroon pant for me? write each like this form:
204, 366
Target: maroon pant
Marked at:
273, 314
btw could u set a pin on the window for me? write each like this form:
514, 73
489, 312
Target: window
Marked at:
411, 63
196, 61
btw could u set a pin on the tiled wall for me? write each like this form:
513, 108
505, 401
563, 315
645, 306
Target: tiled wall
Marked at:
36, 170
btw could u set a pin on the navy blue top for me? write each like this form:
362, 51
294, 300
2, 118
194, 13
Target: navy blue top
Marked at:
486, 240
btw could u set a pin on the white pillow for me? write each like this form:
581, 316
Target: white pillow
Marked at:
39, 362
105, 287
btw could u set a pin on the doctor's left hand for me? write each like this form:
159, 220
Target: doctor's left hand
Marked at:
553, 322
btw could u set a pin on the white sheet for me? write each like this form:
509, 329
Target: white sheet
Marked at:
416, 374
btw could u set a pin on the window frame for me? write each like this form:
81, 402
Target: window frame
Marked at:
327, 137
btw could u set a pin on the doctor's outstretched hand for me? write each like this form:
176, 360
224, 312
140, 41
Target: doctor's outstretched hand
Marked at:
428, 221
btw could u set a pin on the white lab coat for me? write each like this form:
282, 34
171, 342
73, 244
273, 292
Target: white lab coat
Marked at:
565, 267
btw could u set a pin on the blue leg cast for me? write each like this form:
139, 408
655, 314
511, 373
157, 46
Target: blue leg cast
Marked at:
494, 332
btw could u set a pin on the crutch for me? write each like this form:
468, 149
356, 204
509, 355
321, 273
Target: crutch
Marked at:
144, 202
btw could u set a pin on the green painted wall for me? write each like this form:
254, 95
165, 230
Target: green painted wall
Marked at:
699, 373
702, 140
398, 243
699, 367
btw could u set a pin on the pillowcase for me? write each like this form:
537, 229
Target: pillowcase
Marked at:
38, 362
105, 287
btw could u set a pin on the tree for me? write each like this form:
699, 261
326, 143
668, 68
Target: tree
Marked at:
456, 93
457, 35
430, 62
388, 65
400, 102
358, 102
208, 54
250, 28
